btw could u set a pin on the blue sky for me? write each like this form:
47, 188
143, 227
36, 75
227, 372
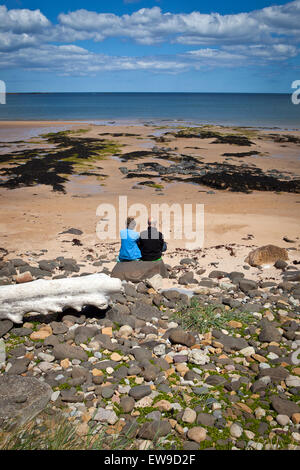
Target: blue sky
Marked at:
152, 45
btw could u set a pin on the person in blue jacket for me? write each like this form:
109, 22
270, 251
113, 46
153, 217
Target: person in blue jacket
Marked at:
129, 250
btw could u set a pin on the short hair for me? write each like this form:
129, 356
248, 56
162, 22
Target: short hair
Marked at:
130, 222
151, 222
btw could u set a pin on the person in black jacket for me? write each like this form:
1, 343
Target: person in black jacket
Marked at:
151, 243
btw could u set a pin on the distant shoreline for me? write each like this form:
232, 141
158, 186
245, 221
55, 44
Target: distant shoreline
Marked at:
131, 122
146, 92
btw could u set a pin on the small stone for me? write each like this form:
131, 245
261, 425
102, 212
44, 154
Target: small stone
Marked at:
24, 277
65, 363
116, 357
127, 404
244, 407
235, 324
107, 331
163, 405
249, 434
179, 336
292, 381
296, 436
43, 333
154, 430
247, 351
296, 418
82, 429
144, 402
159, 350
189, 416
55, 395
197, 434
236, 430
198, 357
260, 413
146, 445
139, 391
125, 331
107, 392
107, 416
283, 420
205, 419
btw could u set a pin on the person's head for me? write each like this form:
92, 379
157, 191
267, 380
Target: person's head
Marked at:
130, 223
152, 222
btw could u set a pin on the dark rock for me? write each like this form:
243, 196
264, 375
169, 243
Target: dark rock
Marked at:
141, 354
63, 351
207, 283
83, 333
172, 295
19, 366
16, 411
247, 285
127, 404
21, 331
179, 336
73, 231
135, 271
5, 327
187, 278
51, 340
189, 445
139, 391
280, 264
105, 342
284, 407
218, 274
107, 392
232, 343
205, 419
121, 373
48, 265
58, 328
154, 430
144, 311
150, 372
18, 351
262, 428
215, 380
187, 261
130, 430
268, 332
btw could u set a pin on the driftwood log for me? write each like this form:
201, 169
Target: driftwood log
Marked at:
47, 296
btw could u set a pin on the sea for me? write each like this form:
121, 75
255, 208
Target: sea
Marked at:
257, 110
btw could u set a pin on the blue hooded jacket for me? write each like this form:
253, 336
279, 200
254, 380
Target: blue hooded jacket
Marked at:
129, 249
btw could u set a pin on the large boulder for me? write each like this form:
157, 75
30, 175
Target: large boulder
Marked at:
21, 399
267, 254
136, 271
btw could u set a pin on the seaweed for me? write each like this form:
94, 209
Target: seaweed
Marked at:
32, 167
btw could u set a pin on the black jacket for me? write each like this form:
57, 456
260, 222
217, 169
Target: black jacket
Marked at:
151, 243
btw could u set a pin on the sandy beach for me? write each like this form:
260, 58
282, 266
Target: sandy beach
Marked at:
33, 217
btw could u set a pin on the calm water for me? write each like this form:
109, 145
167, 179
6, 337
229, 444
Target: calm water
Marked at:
258, 110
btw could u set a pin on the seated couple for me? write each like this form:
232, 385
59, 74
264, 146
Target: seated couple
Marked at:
146, 246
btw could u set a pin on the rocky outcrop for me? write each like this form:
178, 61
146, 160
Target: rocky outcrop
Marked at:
267, 254
136, 271
21, 399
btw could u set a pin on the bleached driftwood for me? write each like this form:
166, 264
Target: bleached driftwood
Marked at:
56, 295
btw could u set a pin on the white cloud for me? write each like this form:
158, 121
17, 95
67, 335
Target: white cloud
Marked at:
259, 37
150, 25
22, 21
